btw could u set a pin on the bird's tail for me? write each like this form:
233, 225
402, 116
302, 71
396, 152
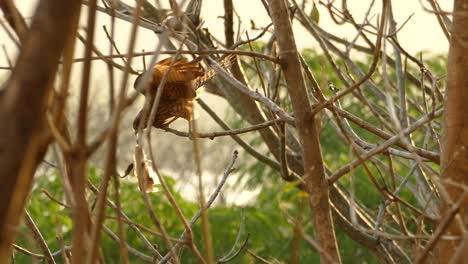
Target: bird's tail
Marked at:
210, 73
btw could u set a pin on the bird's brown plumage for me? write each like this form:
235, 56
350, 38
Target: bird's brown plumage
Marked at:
180, 89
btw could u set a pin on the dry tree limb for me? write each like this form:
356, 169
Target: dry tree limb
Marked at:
14, 18
212, 135
208, 204
22, 110
111, 158
454, 152
39, 238
77, 161
191, 52
259, 156
126, 219
382, 147
314, 177
150, 119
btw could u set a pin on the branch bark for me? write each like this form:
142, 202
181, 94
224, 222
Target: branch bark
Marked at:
14, 18
454, 152
314, 177
23, 108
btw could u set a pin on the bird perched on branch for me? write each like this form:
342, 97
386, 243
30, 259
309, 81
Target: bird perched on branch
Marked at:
181, 88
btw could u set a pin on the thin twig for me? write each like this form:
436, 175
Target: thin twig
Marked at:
212, 135
210, 201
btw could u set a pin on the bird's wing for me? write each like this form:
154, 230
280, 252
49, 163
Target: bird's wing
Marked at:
182, 70
179, 81
211, 72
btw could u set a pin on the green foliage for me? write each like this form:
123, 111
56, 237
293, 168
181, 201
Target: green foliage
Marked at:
266, 222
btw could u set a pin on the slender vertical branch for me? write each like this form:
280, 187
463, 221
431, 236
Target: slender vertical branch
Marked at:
454, 158
81, 217
201, 195
314, 177
111, 158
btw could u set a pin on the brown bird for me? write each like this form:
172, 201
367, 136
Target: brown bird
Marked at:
180, 89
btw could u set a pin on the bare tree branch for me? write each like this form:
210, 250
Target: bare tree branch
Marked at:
314, 177
22, 110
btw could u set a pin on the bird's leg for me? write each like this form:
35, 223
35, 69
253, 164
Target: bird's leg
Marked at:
190, 128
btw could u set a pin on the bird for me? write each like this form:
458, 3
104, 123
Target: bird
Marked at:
181, 88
